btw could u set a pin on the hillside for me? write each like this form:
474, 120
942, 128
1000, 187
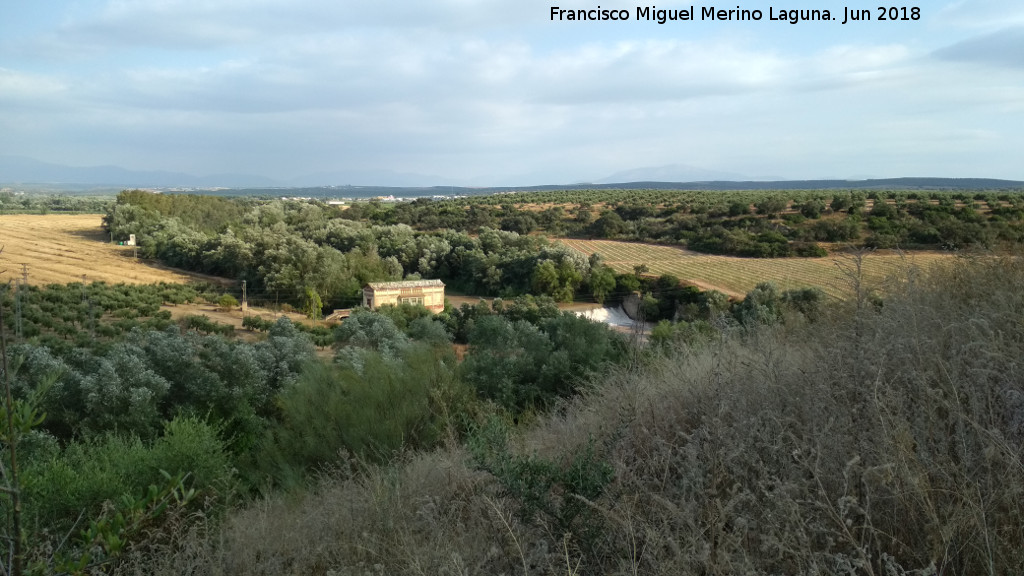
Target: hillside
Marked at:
876, 441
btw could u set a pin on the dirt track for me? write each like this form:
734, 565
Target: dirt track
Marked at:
60, 248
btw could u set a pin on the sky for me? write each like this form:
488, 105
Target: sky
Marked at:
493, 92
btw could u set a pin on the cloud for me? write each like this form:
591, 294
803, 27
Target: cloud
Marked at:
224, 24
482, 87
358, 72
1003, 48
978, 14
26, 90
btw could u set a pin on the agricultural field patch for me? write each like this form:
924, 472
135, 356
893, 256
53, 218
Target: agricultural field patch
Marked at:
736, 276
61, 248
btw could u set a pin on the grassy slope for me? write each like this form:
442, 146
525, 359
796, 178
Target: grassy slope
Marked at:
871, 443
737, 276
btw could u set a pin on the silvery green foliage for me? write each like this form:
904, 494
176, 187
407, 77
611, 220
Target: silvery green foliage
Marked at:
154, 375
369, 330
392, 266
352, 357
429, 331
122, 392
761, 306
563, 254
432, 252
32, 365
283, 353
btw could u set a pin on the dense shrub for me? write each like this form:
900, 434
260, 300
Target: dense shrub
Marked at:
60, 483
521, 366
373, 411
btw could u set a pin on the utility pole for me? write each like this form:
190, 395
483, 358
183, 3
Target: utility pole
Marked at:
245, 303
24, 273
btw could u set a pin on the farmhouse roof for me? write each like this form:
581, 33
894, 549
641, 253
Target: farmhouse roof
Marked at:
405, 284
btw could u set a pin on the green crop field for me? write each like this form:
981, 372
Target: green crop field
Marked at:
736, 276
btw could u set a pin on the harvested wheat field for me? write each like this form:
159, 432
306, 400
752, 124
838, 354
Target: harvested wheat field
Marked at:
736, 276
60, 248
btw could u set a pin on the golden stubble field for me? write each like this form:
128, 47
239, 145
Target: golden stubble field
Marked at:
736, 276
60, 248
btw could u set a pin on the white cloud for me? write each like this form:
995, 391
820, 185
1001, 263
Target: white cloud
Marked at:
26, 96
15, 85
977, 15
1004, 47
476, 87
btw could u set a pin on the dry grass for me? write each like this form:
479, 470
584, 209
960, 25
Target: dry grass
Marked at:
61, 248
234, 317
875, 442
736, 276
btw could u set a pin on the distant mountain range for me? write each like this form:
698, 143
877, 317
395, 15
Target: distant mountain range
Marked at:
673, 173
912, 183
18, 170
21, 170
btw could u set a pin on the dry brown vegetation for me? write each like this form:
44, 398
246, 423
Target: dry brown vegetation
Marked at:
61, 248
879, 441
736, 276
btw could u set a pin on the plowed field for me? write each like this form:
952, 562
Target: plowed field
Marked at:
59, 248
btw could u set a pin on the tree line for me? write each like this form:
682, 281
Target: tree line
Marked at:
294, 251
761, 224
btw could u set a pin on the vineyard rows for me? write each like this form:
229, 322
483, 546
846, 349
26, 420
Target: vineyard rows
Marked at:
737, 276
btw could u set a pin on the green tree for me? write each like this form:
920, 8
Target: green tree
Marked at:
505, 361
812, 208
602, 282
313, 307
544, 280
761, 306
771, 206
609, 225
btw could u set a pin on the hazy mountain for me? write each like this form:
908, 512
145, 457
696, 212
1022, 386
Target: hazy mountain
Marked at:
671, 173
25, 171
21, 170
17, 169
372, 178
